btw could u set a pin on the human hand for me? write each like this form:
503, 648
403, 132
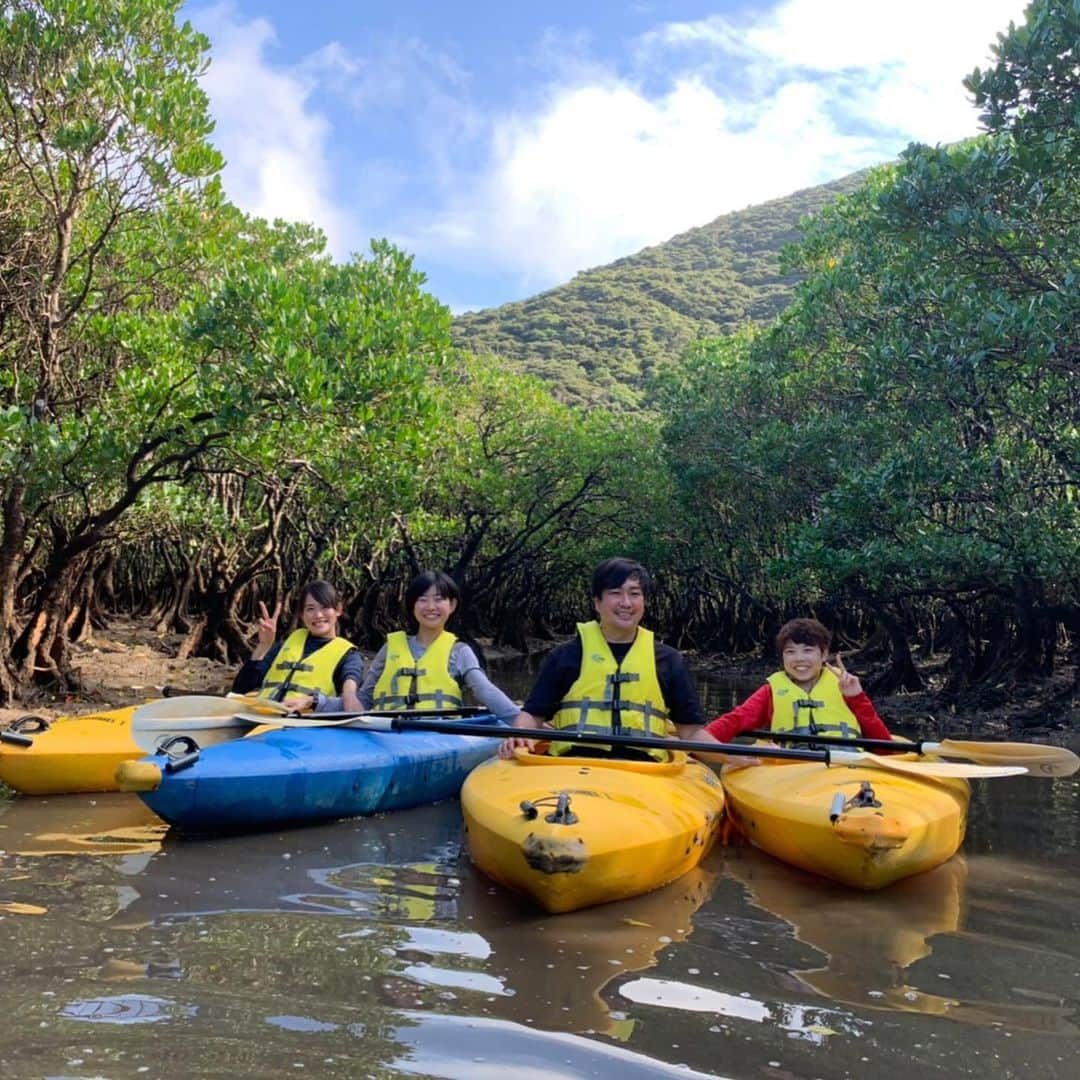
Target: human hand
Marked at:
849, 684
515, 742
298, 702
268, 621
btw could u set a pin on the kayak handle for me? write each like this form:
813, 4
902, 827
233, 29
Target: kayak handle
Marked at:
561, 815
863, 797
22, 729
181, 750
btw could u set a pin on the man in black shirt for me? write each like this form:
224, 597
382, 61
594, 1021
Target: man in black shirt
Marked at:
584, 686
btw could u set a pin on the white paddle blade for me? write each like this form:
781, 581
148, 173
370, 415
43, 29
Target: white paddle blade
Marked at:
190, 705
1045, 761
942, 770
311, 720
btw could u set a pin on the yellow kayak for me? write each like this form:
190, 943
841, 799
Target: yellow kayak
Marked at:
82, 753
570, 832
857, 825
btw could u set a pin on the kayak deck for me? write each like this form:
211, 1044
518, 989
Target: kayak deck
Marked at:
75, 754
570, 832
808, 814
284, 776
72, 754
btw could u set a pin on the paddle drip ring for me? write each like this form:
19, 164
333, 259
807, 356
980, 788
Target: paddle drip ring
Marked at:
561, 815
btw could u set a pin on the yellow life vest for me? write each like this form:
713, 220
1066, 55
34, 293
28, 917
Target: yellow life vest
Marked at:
425, 683
820, 711
612, 698
300, 674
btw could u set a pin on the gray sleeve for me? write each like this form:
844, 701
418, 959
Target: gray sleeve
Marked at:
375, 670
466, 669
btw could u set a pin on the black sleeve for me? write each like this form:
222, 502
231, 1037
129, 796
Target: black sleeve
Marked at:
350, 666
678, 687
556, 676
250, 676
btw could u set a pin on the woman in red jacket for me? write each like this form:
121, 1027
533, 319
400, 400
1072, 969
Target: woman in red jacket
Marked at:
809, 695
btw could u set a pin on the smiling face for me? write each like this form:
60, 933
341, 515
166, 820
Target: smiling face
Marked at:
319, 619
620, 610
803, 663
432, 609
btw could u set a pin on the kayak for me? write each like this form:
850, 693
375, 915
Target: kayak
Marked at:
295, 775
570, 832
82, 753
858, 825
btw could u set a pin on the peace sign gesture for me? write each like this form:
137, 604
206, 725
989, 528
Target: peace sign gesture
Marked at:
268, 621
849, 684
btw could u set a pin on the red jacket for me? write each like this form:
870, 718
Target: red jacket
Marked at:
757, 712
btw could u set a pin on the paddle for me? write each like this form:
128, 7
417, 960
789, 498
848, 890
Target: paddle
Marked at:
1039, 760
353, 719
396, 721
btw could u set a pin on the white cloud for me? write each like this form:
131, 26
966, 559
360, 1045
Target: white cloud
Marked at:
274, 141
804, 93
695, 119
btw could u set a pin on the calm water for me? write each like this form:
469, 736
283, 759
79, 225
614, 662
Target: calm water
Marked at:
370, 948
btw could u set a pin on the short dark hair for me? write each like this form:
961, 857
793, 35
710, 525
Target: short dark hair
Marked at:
322, 592
442, 583
611, 574
804, 632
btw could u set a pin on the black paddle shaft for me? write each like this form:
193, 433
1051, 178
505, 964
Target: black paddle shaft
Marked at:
396, 722
861, 744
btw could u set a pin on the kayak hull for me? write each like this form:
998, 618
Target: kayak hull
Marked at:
290, 776
629, 827
788, 810
82, 753
74, 754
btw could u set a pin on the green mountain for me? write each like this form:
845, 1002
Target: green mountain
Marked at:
600, 337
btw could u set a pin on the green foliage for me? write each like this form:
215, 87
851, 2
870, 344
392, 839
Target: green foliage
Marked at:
909, 430
601, 338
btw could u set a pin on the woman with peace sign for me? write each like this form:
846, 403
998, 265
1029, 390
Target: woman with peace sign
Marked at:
809, 696
312, 667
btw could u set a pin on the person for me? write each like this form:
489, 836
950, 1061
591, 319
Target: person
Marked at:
313, 666
613, 677
430, 668
809, 695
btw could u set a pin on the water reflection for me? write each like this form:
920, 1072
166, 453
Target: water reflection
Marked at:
106, 824
872, 943
371, 948
433, 921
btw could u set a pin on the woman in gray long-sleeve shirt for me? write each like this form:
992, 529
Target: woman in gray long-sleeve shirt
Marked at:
429, 668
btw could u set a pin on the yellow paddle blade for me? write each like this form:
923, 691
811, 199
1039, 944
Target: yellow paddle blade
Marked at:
1038, 760
258, 704
945, 770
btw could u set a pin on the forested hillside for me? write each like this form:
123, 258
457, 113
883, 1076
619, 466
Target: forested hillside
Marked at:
600, 337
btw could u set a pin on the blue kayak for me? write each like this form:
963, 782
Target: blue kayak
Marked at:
299, 775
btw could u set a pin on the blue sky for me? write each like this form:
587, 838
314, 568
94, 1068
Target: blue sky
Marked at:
507, 147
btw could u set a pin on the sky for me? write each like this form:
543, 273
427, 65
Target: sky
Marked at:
507, 146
